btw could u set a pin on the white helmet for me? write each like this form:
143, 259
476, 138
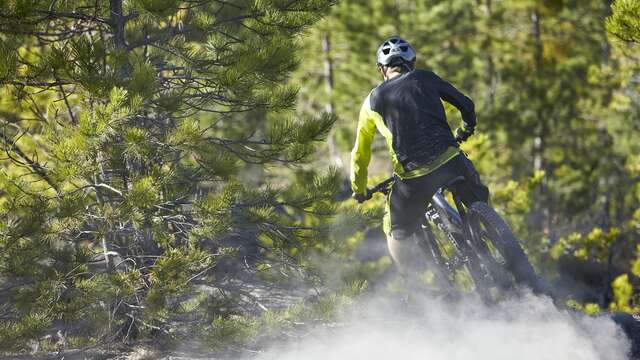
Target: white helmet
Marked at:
395, 51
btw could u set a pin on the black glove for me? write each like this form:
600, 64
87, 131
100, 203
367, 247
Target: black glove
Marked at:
462, 134
360, 198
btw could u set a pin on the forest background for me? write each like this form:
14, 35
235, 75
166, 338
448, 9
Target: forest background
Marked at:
162, 157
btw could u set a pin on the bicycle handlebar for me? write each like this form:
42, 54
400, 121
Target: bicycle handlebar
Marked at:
382, 187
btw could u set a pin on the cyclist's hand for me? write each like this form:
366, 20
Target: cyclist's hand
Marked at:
462, 134
360, 198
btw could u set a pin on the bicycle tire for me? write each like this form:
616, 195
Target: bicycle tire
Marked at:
499, 235
444, 271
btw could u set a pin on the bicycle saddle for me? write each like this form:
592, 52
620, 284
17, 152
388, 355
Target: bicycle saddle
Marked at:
453, 183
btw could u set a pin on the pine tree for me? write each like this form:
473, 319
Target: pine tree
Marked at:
127, 127
625, 20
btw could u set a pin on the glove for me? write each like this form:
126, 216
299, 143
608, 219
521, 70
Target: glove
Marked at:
462, 134
360, 198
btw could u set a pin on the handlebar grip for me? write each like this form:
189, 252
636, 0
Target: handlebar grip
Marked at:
383, 190
382, 187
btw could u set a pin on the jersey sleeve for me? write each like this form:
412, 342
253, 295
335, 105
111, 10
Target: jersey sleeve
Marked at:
454, 97
361, 153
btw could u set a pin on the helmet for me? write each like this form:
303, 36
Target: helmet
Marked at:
395, 51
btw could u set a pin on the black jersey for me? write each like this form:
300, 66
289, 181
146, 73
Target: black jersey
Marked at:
408, 112
410, 107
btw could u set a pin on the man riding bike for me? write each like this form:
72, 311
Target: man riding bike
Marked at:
406, 109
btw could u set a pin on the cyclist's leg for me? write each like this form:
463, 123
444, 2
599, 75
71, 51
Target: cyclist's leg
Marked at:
406, 207
473, 190
403, 211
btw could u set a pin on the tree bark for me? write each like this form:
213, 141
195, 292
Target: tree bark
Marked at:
541, 130
492, 81
329, 107
117, 22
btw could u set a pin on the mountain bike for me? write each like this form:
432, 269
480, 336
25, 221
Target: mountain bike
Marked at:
471, 240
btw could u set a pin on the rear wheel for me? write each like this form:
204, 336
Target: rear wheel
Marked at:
500, 250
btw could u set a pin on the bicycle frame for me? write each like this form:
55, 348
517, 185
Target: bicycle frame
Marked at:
441, 213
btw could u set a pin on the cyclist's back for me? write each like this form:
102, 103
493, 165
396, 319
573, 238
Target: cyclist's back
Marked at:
412, 111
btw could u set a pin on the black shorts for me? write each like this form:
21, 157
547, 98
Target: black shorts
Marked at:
408, 198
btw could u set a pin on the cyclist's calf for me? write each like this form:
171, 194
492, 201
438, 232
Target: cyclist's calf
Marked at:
405, 252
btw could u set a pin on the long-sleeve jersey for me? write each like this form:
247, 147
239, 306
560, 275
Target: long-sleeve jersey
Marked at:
408, 112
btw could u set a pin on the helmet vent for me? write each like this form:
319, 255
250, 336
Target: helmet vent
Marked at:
394, 50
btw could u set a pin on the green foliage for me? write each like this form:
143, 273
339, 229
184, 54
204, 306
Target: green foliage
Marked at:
588, 308
143, 79
173, 272
9, 53
625, 20
157, 7
215, 210
622, 294
593, 246
233, 330
13, 333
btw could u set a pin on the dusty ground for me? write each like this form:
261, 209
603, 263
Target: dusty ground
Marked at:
263, 296
259, 296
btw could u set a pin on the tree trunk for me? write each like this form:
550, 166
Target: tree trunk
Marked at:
329, 107
541, 130
492, 81
117, 23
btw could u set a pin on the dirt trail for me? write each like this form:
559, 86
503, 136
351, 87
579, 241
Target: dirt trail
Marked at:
469, 319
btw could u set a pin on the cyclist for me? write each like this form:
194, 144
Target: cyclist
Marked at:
406, 109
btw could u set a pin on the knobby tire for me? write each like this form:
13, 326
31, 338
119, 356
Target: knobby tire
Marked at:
502, 238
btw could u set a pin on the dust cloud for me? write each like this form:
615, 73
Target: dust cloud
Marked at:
525, 327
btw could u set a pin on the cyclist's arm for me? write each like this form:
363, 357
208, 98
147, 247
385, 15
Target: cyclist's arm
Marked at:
454, 97
361, 153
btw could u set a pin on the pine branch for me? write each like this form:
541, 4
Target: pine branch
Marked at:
51, 14
65, 96
35, 166
34, 83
